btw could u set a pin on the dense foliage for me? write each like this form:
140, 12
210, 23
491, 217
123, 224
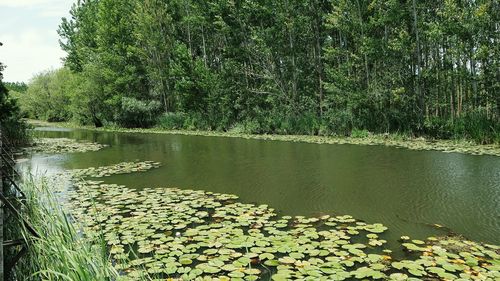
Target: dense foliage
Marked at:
49, 95
19, 87
287, 67
13, 128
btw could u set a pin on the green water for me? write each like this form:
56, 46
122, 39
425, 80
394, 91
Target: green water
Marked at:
403, 189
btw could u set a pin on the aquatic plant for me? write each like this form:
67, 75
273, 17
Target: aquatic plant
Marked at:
194, 234
63, 145
61, 252
117, 169
180, 234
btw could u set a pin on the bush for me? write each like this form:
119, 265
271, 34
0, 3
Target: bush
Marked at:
359, 134
438, 128
298, 124
338, 122
306, 124
181, 120
172, 121
197, 121
136, 113
13, 127
49, 96
475, 126
478, 127
247, 127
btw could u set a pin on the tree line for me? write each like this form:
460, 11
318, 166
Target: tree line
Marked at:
287, 67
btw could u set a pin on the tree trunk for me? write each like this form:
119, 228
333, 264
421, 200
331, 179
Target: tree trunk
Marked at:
367, 71
319, 65
419, 60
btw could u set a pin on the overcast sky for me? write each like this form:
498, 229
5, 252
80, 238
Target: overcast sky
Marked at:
28, 31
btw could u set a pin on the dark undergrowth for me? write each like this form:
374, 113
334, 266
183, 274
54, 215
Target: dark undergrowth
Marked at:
476, 127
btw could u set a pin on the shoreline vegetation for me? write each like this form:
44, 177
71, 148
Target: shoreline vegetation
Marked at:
364, 138
308, 67
62, 252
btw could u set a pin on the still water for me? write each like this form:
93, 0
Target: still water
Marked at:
406, 190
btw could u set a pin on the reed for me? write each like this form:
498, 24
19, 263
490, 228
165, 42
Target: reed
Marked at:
62, 252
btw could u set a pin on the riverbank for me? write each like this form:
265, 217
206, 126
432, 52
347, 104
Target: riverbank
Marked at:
393, 140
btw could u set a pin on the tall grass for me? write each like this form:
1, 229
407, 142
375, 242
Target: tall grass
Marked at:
18, 133
61, 253
476, 126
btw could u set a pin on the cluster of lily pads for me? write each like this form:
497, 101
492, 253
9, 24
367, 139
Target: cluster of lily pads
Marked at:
198, 235
63, 145
452, 258
448, 146
117, 169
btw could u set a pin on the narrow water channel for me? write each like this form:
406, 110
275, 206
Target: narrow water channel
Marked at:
406, 190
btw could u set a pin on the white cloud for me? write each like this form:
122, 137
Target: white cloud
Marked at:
55, 11
29, 36
30, 3
28, 53
46, 8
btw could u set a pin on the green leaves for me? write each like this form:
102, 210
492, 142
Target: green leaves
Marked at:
63, 145
117, 169
190, 233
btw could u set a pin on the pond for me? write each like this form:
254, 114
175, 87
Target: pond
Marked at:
408, 191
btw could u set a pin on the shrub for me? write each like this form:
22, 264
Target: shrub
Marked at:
172, 121
138, 113
357, 133
437, 127
476, 126
339, 122
247, 127
196, 121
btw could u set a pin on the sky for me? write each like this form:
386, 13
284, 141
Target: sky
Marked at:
28, 31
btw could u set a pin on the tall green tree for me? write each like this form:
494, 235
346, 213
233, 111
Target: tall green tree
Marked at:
49, 95
304, 67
